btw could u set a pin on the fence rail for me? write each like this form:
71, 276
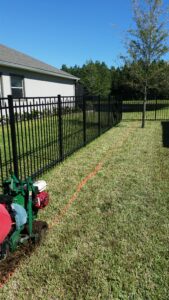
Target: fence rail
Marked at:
37, 133
155, 109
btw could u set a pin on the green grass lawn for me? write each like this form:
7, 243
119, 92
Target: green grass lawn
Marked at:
113, 241
155, 109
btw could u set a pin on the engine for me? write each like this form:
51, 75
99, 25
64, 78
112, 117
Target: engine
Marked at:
42, 198
19, 206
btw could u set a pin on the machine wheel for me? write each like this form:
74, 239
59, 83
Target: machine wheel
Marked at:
39, 230
4, 251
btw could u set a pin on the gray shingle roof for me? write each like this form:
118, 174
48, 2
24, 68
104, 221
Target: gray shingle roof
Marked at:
12, 58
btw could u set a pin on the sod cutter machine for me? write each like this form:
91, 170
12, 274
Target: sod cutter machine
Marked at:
19, 206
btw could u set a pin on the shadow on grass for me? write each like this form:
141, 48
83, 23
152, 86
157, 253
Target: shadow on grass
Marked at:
165, 133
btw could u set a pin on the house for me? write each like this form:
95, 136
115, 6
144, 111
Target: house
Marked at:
24, 76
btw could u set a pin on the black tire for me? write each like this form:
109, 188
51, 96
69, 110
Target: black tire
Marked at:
39, 230
4, 250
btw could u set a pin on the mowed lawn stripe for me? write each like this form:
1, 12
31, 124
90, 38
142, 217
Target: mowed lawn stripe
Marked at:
113, 242
85, 180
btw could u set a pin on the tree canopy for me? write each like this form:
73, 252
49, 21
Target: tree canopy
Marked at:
94, 76
97, 78
147, 44
144, 73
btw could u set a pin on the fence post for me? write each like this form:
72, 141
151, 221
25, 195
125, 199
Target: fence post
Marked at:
99, 119
84, 120
13, 135
60, 127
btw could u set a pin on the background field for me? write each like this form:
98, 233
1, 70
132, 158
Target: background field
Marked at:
112, 243
157, 109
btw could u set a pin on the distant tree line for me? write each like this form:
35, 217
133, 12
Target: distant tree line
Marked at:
97, 78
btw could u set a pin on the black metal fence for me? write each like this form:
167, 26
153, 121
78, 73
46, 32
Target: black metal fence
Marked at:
155, 109
37, 133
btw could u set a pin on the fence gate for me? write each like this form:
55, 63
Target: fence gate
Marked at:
155, 110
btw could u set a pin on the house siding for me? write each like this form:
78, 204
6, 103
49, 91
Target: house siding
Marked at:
38, 85
42, 86
6, 85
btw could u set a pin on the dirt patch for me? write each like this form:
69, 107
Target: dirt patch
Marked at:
11, 263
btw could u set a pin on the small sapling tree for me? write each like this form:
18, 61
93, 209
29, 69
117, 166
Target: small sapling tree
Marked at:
147, 42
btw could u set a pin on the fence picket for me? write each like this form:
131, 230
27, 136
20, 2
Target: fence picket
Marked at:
36, 133
13, 135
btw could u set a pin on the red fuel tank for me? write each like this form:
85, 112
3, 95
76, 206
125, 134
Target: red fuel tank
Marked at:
42, 200
5, 223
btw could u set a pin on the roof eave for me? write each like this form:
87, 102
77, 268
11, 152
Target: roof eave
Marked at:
35, 70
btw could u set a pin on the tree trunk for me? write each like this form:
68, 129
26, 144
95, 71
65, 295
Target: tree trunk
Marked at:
144, 106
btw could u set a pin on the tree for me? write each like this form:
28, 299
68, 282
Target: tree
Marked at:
147, 42
94, 76
76, 70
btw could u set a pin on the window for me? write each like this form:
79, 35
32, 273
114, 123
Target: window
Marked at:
17, 86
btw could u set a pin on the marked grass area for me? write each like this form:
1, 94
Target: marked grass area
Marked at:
113, 241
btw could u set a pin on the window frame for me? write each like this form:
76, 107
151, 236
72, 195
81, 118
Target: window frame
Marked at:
20, 88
